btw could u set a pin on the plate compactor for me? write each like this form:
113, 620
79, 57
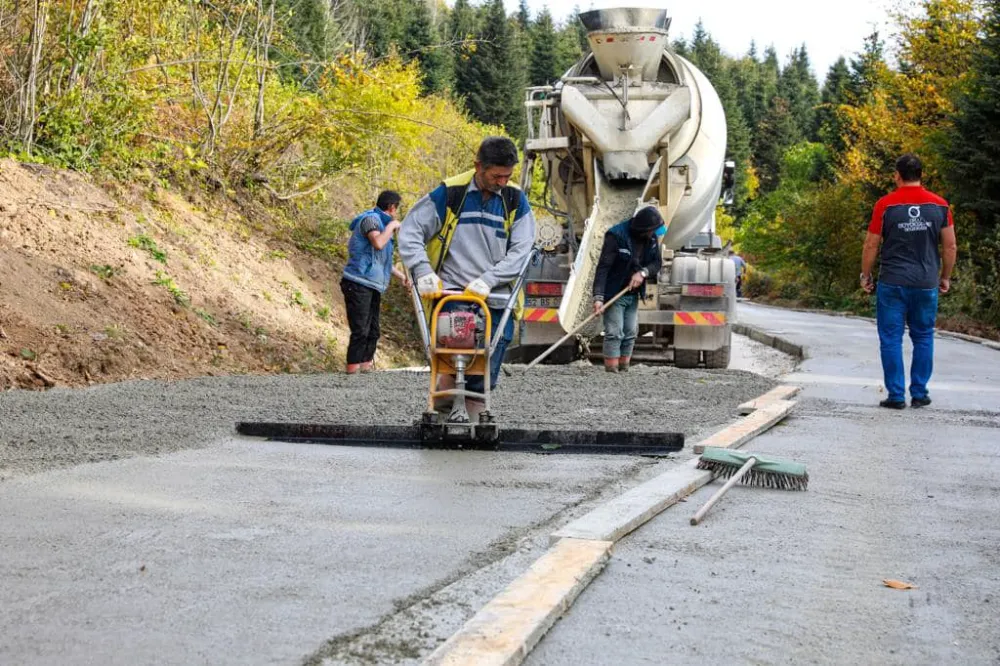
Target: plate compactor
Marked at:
458, 342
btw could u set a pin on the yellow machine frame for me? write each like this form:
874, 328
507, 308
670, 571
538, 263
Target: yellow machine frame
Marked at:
441, 357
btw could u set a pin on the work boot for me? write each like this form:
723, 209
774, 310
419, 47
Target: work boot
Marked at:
367, 366
611, 364
623, 363
893, 404
353, 368
920, 402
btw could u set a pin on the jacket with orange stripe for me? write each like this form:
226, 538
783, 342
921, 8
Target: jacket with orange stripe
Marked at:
618, 262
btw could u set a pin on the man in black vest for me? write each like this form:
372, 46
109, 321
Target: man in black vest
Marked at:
910, 224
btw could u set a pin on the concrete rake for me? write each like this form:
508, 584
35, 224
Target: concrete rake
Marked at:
750, 469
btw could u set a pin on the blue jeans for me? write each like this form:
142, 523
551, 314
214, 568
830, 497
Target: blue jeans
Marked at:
476, 383
897, 307
621, 325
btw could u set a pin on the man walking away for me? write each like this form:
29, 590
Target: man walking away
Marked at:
910, 224
631, 253
366, 277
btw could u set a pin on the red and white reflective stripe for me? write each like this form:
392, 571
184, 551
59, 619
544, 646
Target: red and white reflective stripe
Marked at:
699, 319
704, 290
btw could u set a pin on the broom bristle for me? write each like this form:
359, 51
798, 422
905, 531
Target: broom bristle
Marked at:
757, 477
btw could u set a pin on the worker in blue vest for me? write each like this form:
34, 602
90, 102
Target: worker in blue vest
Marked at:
366, 277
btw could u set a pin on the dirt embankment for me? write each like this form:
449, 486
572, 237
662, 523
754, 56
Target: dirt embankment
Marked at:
111, 282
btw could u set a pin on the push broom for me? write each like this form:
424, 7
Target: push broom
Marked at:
752, 470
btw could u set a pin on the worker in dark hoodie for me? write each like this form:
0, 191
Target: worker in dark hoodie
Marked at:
366, 277
631, 253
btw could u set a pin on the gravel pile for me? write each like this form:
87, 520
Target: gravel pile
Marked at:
63, 427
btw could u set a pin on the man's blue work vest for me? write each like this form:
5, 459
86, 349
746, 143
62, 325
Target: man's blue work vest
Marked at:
366, 265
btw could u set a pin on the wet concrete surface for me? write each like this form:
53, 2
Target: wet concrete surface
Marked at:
136, 529
776, 577
46, 430
252, 553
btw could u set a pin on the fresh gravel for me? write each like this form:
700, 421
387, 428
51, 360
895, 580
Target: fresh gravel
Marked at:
64, 427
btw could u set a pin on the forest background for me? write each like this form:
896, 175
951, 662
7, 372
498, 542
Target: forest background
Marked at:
295, 113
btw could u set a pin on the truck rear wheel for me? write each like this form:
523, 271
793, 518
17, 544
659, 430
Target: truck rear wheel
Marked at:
719, 358
686, 358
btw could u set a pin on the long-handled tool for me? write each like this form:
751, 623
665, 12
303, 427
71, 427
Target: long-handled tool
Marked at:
752, 470
539, 359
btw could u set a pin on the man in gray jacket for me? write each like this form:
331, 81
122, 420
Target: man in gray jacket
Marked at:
473, 233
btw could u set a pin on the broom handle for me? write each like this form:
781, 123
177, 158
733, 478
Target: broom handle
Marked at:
723, 490
586, 321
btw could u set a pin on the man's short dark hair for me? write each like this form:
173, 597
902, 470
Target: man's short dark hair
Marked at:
497, 151
388, 199
910, 168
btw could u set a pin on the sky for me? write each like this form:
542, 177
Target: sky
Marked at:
828, 29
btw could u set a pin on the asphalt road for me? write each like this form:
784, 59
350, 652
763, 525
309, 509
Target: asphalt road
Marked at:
773, 577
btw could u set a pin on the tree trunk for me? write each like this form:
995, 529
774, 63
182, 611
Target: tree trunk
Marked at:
28, 95
89, 14
263, 47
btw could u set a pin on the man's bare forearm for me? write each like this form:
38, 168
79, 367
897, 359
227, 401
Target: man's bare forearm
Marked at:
949, 252
869, 253
948, 257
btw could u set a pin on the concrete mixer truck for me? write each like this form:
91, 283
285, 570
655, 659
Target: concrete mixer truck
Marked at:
630, 124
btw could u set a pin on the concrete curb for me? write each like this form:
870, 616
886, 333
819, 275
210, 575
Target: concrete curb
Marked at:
626, 513
969, 338
771, 340
506, 629
783, 392
752, 425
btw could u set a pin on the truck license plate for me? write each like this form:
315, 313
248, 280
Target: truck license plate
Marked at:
542, 302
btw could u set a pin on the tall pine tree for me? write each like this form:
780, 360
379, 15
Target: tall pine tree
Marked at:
568, 49
544, 67
836, 91
489, 79
776, 134
523, 15
868, 69
421, 42
798, 87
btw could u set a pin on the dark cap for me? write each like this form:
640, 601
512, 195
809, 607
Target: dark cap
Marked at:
645, 220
